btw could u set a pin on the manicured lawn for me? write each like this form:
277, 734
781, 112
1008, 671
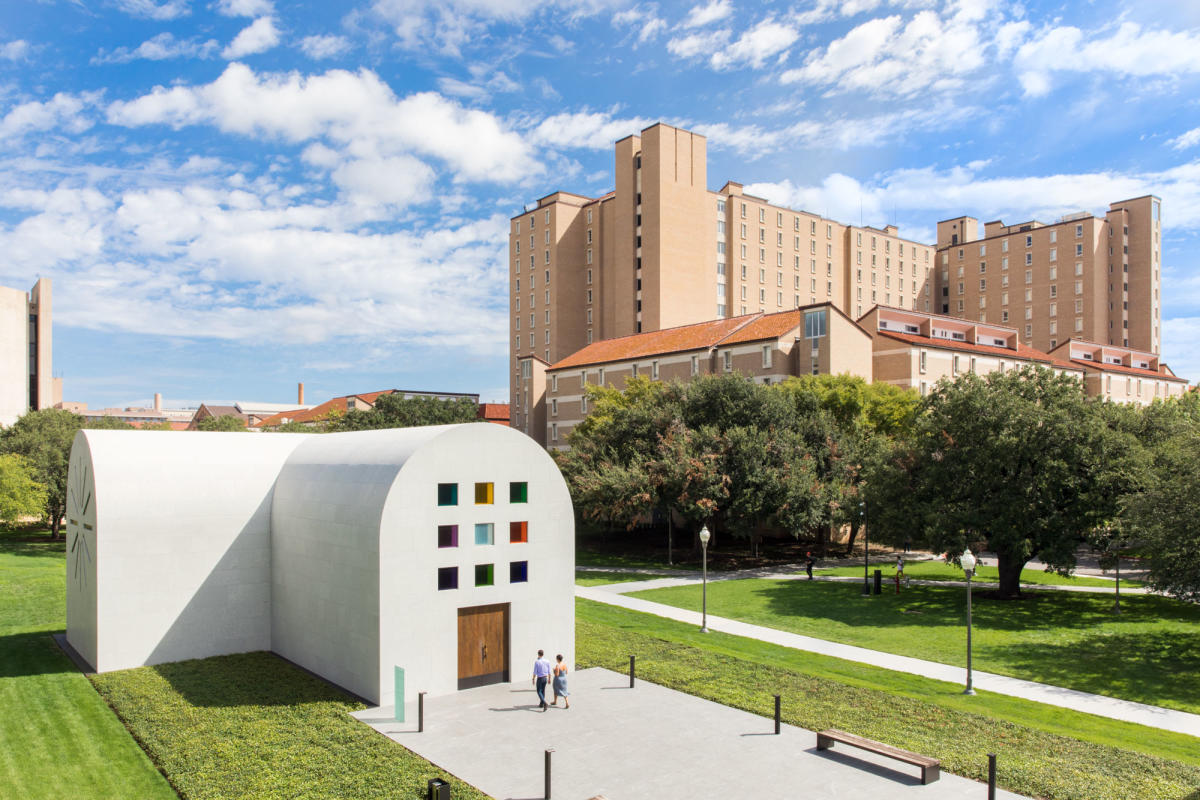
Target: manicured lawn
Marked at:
1150, 653
589, 578
591, 558
941, 571
253, 725
1043, 751
57, 737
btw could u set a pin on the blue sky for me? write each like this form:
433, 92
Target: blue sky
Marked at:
237, 195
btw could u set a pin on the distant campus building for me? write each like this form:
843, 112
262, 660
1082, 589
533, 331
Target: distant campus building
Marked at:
444, 551
663, 252
26, 379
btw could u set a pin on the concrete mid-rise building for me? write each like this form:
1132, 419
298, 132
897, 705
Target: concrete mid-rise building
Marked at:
1082, 277
765, 348
26, 342
915, 349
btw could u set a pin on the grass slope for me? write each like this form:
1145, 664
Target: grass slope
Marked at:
941, 571
1061, 638
589, 578
1038, 752
57, 737
253, 725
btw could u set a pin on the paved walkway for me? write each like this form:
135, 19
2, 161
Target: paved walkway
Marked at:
646, 742
1126, 710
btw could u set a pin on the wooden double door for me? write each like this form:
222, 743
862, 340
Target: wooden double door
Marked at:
482, 645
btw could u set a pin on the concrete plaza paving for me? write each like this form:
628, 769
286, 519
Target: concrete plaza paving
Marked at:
1111, 707
646, 742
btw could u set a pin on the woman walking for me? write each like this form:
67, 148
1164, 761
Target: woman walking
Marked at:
560, 682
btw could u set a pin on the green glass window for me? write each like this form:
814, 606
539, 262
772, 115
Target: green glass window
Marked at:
518, 492
447, 494
484, 575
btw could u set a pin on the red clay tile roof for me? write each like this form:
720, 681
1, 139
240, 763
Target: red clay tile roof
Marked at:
1022, 352
700, 335
337, 404
494, 412
1124, 370
653, 343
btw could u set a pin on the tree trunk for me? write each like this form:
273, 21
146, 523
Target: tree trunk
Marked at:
1010, 576
670, 534
853, 536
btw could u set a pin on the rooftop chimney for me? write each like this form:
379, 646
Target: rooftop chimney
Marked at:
157, 401
300, 394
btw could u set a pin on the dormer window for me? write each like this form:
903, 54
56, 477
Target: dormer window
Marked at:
962, 337
911, 329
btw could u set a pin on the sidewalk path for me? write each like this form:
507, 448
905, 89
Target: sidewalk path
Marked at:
1125, 710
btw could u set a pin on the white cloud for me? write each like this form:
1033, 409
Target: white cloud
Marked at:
245, 8
159, 48
1130, 51
715, 11
1185, 140
355, 112
15, 50
645, 21
591, 130
168, 9
764, 41
64, 111
319, 47
695, 45
257, 37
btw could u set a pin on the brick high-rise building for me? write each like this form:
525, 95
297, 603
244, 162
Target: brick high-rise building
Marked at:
662, 250
1082, 277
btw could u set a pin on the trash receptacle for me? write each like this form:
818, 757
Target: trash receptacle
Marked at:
878, 581
438, 789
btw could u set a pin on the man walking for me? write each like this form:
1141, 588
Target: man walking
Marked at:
541, 674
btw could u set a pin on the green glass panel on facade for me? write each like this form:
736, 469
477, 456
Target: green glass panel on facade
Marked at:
484, 575
518, 492
447, 494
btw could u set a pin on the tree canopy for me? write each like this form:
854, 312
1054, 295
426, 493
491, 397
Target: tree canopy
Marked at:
397, 411
43, 438
20, 493
228, 423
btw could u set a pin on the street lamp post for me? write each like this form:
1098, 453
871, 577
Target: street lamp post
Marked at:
862, 517
704, 537
968, 565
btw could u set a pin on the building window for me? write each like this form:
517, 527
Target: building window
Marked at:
447, 578
518, 492
814, 324
695, 365
518, 532
766, 356
484, 575
483, 494
447, 536
727, 357
922, 360
447, 494
956, 365
485, 533
518, 572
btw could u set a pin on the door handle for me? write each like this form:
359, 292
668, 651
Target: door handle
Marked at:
485, 652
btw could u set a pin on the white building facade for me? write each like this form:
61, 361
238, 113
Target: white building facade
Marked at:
445, 551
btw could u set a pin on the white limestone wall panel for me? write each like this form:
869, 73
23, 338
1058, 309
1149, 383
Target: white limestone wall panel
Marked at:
81, 551
419, 623
182, 543
328, 503
14, 355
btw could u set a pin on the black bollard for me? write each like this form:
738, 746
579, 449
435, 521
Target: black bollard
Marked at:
549, 750
776, 715
420, 712
878, 581
632, 669
991, 776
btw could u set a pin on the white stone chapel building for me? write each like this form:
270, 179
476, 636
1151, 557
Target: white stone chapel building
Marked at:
446, 551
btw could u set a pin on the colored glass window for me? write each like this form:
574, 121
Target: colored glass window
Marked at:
447, 578
518, 572
447, 494
518, 532
484, 575
483, 494
518, 492
485, 533
447, 536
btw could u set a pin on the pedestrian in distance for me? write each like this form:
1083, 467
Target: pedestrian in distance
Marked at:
559, 684
541, 674
808, 564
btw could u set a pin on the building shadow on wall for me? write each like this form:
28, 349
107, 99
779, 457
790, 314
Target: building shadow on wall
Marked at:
249, 679
230, 612
32, 653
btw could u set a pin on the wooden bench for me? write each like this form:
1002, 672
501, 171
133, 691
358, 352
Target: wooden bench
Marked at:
931, 768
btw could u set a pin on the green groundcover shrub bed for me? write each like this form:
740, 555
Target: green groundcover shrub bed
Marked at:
253, 725
1031, 762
